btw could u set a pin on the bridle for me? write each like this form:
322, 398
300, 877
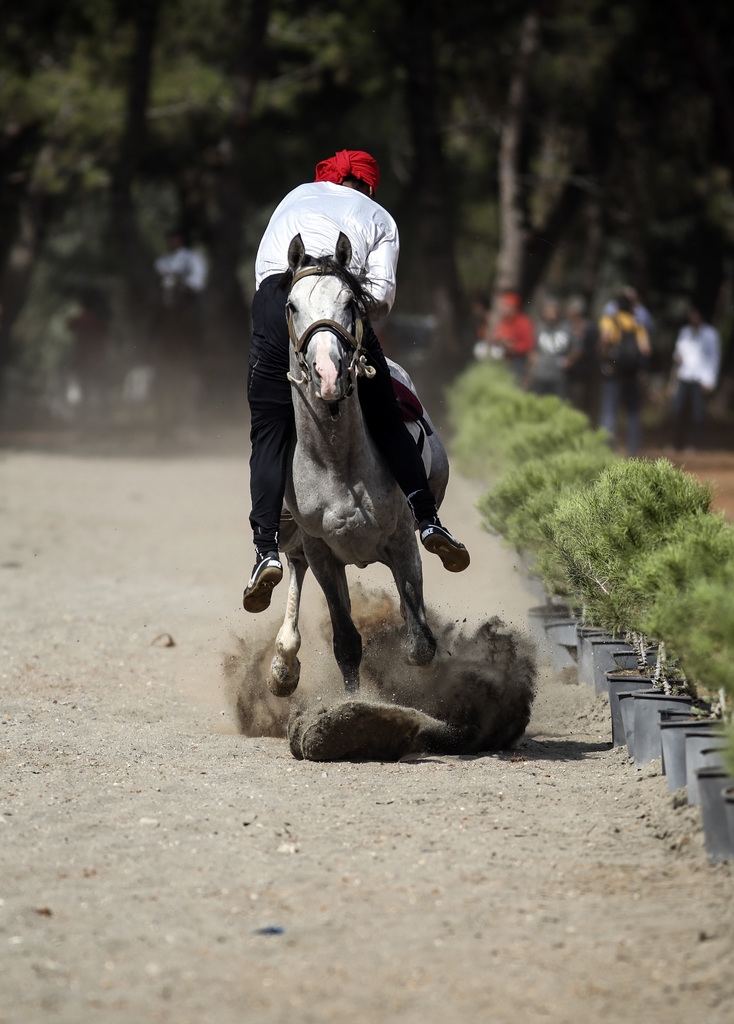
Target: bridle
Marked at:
358, 367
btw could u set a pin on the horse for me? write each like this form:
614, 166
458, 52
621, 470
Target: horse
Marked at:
342, 506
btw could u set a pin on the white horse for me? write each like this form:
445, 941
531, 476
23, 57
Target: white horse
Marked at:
342, 505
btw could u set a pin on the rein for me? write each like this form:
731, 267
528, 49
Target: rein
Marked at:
358, 365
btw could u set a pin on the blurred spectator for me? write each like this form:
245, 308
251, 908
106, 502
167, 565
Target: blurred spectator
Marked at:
583, 374
556, 350
182, 271
88, 365
641, 314
178, 336
623, 347
696, 359
513, 333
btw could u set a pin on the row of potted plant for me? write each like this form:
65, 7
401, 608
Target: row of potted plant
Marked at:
630, 549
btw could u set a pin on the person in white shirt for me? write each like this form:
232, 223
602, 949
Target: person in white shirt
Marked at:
341, 199
696, 359
181, 267
177, 337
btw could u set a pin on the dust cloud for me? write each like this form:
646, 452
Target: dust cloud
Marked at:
475, 696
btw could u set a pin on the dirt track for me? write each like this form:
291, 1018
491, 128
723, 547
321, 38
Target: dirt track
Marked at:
142, 841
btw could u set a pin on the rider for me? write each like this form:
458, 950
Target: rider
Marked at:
340, 199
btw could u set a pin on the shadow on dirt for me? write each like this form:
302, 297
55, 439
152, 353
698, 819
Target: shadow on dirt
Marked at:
475, 696
560, 750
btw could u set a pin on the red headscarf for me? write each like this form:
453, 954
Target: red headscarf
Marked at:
349, 161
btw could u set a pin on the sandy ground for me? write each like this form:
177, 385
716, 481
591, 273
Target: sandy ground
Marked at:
143, 842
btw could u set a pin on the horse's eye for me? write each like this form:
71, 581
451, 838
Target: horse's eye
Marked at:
290, 307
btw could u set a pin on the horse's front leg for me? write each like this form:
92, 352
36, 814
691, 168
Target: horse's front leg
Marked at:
285, 668
407, 570
332, 579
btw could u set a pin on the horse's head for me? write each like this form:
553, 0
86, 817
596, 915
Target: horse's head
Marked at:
324, 311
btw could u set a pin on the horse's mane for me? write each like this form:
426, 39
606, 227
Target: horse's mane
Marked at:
365, 302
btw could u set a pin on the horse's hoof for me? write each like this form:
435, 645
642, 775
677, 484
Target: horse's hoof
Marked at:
281, 682
423, 651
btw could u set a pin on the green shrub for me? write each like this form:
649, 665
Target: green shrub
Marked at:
487, 411
565, 429
600, 533
698, 547
685, 597
700, 622
517, 505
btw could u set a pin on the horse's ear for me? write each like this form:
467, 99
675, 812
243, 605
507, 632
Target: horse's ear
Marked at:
296, 253
343, 253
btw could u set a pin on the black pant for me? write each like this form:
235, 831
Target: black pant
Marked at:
689, 392
272, 421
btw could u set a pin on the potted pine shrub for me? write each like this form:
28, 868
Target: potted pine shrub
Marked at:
600, 534
516, 507
701, 618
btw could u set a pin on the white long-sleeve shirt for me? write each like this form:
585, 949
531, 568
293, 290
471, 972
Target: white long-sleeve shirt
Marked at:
318, 211
698, 353
184, 265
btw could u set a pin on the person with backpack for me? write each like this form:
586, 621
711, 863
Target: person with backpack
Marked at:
624, 347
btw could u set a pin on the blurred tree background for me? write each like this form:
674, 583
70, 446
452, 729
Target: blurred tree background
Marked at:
562, 145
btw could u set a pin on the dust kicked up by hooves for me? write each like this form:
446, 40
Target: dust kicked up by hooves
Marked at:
475, 696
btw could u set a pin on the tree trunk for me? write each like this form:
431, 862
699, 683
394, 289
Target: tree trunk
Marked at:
428, 199
134, 260
542, 244
17, 152
511, 227
226, 320
594, 245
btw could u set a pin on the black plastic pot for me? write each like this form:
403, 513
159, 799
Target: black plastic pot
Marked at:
616, 685
626, 660
543, 613
540, 616
712, 782
702, 751
561, 634
647, 707
673, 741
602, 656
585, 659
728, 797
627, 707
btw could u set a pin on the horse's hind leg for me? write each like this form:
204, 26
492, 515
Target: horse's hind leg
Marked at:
332, 579
285, 668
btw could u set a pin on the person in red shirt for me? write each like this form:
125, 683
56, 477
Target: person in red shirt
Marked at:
514, 333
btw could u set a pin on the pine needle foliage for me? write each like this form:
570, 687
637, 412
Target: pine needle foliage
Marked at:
489, 412
526, 493
517, 505
701, 621
685, 596
567, 429
699, 547
600, 533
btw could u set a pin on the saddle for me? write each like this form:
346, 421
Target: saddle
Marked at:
411, 409
410, 405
